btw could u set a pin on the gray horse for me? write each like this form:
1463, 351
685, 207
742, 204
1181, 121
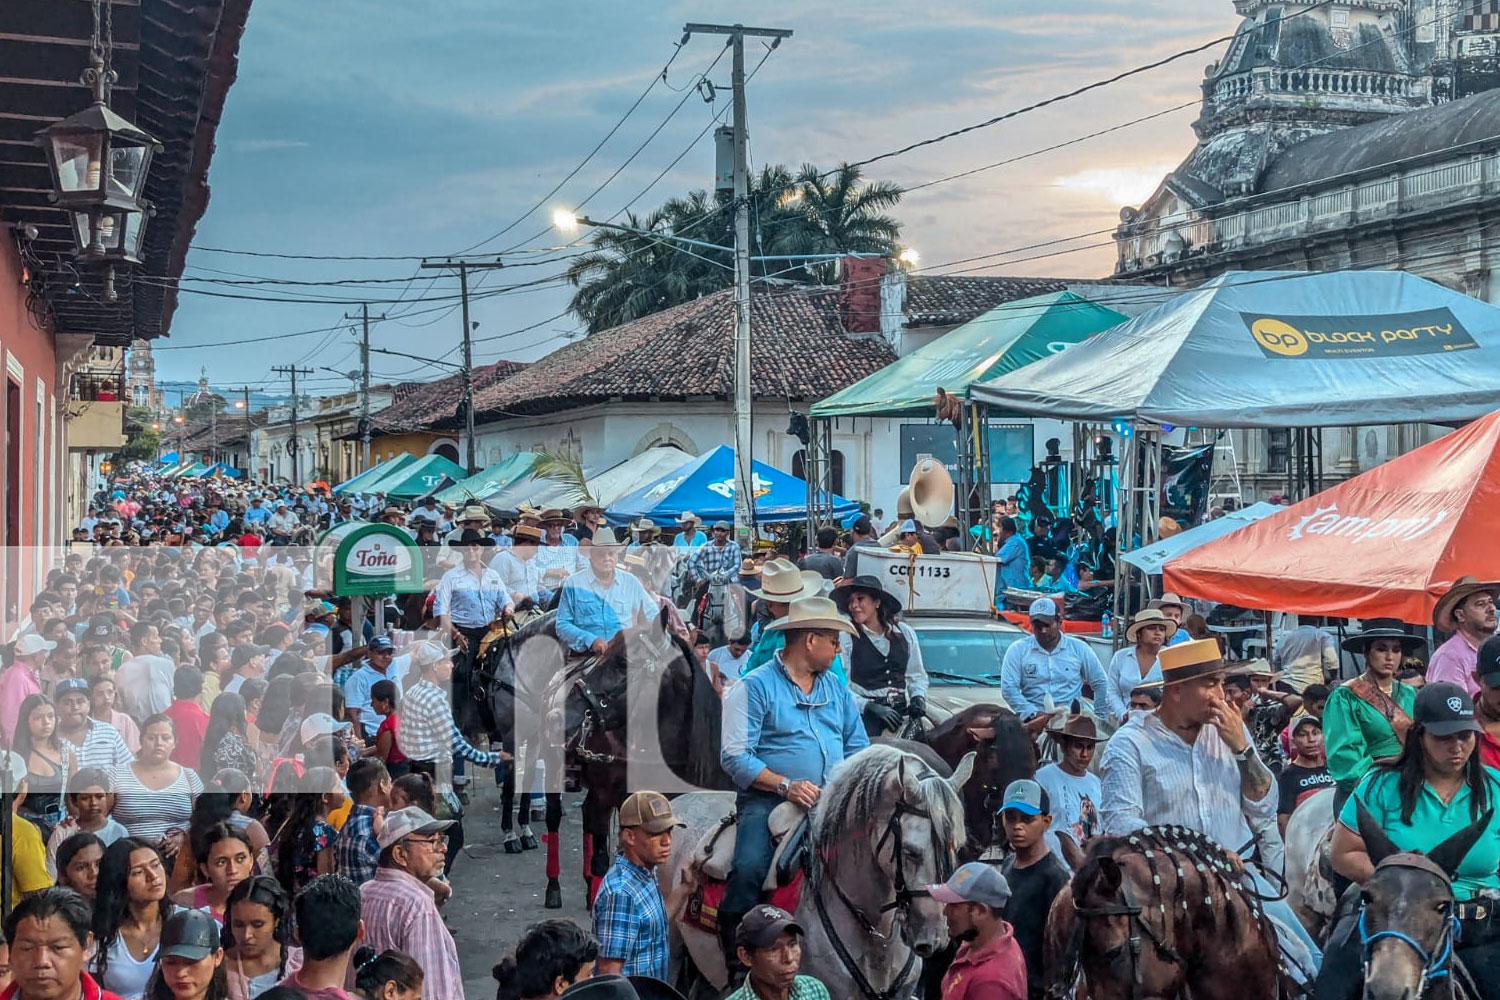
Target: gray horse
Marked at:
886, 826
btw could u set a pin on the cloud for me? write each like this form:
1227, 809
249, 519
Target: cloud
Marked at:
265, 145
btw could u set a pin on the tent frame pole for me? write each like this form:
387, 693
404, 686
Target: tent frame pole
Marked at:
1139, 497
986, 481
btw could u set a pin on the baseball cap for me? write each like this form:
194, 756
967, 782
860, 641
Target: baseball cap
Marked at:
722, 526
244, 654
320, 724
70, 684
1025, 795
907, 525
101, 625
1305, 720
975, 882
381, 644
402, 823
1043, 607
1444, 709
189, 934
650, 811
763, 926
1488, 664
33, 643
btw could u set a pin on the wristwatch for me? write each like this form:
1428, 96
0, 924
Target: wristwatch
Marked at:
1245, 753
783, 786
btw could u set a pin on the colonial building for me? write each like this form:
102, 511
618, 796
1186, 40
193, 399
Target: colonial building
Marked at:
425, 418
1360, 134
140, 376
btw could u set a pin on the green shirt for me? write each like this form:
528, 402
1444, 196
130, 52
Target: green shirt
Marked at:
1355, 734
803, 988
1432, 822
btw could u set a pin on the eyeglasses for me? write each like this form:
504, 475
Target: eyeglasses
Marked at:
435, 840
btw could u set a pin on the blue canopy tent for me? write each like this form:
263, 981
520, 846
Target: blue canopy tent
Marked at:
705, 486
168, 460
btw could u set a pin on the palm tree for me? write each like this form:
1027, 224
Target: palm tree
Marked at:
564, 470
629, 275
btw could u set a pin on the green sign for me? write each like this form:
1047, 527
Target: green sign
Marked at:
370, 560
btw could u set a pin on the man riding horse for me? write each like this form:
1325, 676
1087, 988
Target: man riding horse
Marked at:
786, 725
599, 602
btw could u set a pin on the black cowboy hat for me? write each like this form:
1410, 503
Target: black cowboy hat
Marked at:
1382, 628
621, 988
889, 604
472, 537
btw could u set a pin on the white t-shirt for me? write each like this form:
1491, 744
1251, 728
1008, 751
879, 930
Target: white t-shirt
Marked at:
729, 665
145, 684
1075, 804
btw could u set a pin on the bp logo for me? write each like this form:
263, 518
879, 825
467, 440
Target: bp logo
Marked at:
1279, 337
1455, 705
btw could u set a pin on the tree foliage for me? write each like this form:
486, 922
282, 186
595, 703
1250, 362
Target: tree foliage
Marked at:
628, 275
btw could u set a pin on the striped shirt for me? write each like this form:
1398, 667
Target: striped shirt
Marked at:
428, 732
399, 912
1152, 777
470, 601
103, 747
148, 813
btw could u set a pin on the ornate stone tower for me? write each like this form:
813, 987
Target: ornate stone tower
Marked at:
140, 375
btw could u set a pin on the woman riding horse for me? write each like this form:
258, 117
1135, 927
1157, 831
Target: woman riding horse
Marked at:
1367, 718
886, 676
1436, 799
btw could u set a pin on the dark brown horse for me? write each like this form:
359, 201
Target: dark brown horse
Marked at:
1004, 753
1163, 912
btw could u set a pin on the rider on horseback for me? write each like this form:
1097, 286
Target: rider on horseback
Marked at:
600, 602
786, 725
518, 569
886, 676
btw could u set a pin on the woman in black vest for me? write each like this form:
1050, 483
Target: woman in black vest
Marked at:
886, 676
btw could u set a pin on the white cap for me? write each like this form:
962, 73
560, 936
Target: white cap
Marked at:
402, 823
320, 724
1043, 607
33, 643
907, 525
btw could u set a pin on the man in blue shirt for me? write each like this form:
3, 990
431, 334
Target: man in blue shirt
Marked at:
599, 603
257, 512
1015, 560
786, 725
1047, 670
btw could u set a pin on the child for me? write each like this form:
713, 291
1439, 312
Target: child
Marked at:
356, 852
389, 975
1071, 789
1314, 697
1308, 770
88, 801
302, 846
1034, 873
385, 701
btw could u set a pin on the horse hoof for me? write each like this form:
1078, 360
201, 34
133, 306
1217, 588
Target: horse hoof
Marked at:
512, 846
530, 843
554, 895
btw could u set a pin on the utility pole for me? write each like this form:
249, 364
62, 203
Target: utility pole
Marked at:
463, 267
364, 381
293, 445
744, 477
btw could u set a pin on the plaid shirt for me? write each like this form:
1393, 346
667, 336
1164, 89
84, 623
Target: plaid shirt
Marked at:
715, 563
428, 732
630, 920
803, 988
356, 853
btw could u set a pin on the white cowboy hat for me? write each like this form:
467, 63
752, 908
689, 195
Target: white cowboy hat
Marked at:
810, 613
644, 524
687, 517
783, 582
604, 536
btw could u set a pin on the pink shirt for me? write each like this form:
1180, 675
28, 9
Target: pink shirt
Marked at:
399, 912
17, 682
995, 972
1454, 661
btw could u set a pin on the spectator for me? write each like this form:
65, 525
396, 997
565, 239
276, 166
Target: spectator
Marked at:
20, 680
188, 717
769, 944
49, 762
1308, 771
28, 853
328, 926
385, 700
78, 860
258, 951
226, 736
302, 846
1033, 873
104, 707
144, 682
389, 975
988, 964
48, 934
129, 912
825, 561
248, 662
549, 958
357, 851
88, 802
224, 858
192, 960
379, 657
398, 906
154, 794
630, 917
725, 663
1073, 791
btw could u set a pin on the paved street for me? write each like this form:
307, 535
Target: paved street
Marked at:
496, 896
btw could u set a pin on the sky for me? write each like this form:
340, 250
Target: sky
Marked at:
432, 127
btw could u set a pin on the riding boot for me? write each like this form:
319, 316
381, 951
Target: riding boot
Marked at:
729, 924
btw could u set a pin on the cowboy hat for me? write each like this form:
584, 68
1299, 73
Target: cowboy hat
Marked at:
1258, 667
688, 517
1190, 660
1077, 727
551, 515
1168, 600
812, 613
473, 512
529, 532
867, 584
1463, 587
1382, 628
749, 567
604, 537
644, 525
782, 582
1150, 616
1166, 527
472, 537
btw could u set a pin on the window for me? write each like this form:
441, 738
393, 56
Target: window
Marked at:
970, 653
836, 464
1012, 449
1278, 450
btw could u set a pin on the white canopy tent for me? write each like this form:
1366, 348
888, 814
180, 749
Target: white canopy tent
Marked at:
1151, 558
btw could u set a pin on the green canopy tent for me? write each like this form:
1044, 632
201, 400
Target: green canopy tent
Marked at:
393, 472
375, 472
420, 479
1009, 336
491, 480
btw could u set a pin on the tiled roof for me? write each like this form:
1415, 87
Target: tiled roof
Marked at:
948, 300
201, 436
417, 406
799, 350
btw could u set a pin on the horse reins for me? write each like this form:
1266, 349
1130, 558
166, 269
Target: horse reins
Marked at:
1434, 966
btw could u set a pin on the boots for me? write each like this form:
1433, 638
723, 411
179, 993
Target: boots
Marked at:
729, 924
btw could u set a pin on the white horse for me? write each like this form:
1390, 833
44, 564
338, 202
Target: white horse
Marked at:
884, 828
1305, 888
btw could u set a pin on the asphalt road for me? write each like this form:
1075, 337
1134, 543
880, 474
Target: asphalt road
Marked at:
496, 896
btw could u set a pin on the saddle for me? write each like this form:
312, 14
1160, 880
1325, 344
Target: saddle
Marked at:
1317, 886
714, 855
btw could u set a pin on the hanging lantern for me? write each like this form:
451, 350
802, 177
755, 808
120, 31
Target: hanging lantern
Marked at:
97, 158
112, 235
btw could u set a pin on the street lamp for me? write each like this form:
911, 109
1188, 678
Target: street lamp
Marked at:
909, 257
565, 222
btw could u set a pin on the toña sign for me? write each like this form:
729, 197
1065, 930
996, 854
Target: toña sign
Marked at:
369, 560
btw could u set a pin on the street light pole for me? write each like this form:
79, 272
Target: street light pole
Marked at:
744, 480
293, 445
463, 267
364, 384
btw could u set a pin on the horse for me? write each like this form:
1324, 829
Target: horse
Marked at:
1004, 752
1309, 885
1162, 912
885, 826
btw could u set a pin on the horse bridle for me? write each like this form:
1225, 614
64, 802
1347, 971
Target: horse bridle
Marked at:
1138, 927
1435, 964
904, 894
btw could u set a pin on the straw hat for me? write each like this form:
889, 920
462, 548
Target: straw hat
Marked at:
1188, 661
643, 526
604, 537
1463, 587
1078, 727
811, 613
473, 512
749, 567
783, 582
530, 532
1168, 600
552, 515
688, 517
1150, 616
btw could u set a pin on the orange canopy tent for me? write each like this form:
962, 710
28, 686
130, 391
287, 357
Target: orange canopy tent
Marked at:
1387, 543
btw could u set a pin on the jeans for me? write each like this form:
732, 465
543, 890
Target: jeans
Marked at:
752, 850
